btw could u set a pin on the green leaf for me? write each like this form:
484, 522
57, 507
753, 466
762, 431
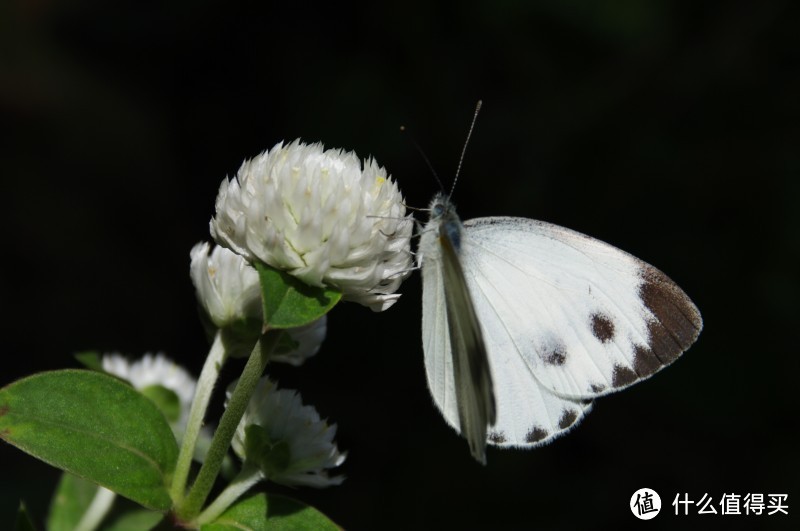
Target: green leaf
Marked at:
137, 520
271, 512
70, 501
288, 302
23, 521
94, 426
73, 497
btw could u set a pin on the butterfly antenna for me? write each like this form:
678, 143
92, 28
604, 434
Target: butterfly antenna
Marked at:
423, 155
466, 143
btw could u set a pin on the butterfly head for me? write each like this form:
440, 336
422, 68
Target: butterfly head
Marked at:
444, 220
441, 208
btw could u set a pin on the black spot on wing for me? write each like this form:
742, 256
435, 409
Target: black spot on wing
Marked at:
602, 327
535, 434
497, 437
568, 418
553, 353
623, 376
597, 388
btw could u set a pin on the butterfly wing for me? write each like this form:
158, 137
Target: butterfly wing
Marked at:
527, 413
570, 315
455, 353
472, 377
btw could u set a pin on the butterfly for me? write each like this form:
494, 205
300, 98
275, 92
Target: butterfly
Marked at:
525, 323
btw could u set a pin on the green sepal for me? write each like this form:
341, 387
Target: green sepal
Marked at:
165, 399
90, 359
238, 335
239, 345
23, 521
288, 302
286, 344
271, 512
271, 457
94, 426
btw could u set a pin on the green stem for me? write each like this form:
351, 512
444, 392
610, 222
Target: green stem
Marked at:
249, 476
205, 386
97, 510
190, 506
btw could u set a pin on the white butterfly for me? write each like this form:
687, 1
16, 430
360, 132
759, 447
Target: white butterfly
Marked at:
524, 323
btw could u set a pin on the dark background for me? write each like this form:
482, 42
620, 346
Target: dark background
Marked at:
667, 128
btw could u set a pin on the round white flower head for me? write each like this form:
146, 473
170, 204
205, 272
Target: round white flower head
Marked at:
288, 441
321, 216
152, 371
227, 286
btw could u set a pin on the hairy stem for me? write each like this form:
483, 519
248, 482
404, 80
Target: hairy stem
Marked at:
205, 386
249, 476
190, 506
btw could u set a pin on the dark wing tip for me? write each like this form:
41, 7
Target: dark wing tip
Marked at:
675, 324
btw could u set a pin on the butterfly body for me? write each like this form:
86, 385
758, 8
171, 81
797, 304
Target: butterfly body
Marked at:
525, 323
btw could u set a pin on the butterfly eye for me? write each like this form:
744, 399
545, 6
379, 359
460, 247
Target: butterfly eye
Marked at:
438, 210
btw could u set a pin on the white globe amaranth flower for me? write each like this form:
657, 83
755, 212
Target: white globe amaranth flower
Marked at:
151, 372
227, 286
322, 216
288, 441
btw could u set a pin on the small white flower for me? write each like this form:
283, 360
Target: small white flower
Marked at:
152, 371
287, 440
322, 217
227, 286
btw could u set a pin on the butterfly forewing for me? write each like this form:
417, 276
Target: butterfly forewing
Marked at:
471, 372
584, 317
456, 362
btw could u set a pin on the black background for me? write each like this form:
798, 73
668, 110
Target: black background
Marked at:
669, 129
